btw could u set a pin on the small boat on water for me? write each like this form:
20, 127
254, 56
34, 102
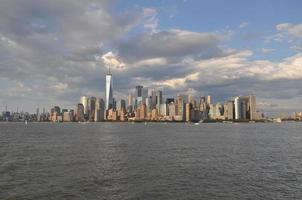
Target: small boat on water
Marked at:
278, 120
83, 122
25, 122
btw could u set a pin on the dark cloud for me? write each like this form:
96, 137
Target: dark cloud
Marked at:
50, 53
170, 43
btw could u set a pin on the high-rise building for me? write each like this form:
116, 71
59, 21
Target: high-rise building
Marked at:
219, 111
171, 110
57, 109
123, 105
67, 117
153, 98
145, 93
138, 91
190, 99
237, 108
148, 104
99, 110
80, 113
91, 106
188, 112
38, 114
181, 107
209, 100
169, 100
159, 100
163, 110
212, 111
130, 103
229, 110
84, 101
109, 92
240, 108
142, 112
252, 107
245, 108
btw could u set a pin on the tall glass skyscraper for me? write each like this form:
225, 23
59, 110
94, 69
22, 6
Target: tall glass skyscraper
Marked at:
109, 91
84, 101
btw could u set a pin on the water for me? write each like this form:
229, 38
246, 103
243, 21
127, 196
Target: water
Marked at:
153, 161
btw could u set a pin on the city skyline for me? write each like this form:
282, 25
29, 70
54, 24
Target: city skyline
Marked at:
58, 51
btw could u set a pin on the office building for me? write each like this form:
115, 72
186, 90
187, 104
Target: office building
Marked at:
99, 110
188, 112
80, 112
159, 100
163, 110
109, 101
84, 101
139, 91
240, 104
229, 110
92, 105
209, 100
172, 110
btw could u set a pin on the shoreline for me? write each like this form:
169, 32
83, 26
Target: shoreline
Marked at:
147, 121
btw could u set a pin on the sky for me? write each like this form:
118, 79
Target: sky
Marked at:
53, 52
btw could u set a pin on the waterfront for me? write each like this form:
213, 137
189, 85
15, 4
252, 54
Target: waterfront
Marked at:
150, 161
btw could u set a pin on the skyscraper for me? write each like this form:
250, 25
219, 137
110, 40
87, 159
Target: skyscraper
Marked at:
138, 91
181, 107
209, 99
80, 112
92, 108
229, 110
84, 101
159, 100
130, 103
99, 110
240, 108
109, 91
252, 107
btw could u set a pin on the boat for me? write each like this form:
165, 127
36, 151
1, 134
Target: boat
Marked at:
227, 122
278, 120
25, 122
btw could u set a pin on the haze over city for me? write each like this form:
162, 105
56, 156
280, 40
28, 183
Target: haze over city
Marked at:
54, 52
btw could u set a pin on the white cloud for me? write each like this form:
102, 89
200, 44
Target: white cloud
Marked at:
53, 53
150, 19
266, 51
151, 62
292, 29
179, 82
111, 60
243, 24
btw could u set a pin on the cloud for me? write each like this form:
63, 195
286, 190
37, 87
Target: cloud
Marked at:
243, 24
111, 60
52, 52
170, 43
264, 104
291, 29
151, 19
265, 50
